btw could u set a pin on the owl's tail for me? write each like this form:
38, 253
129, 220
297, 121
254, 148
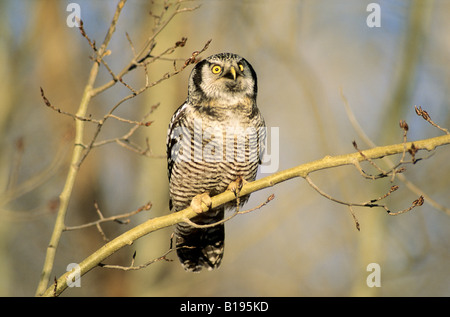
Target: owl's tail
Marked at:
201, 247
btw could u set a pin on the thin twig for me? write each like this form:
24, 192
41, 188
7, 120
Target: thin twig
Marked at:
90, 119
269, 199
426, 116
418, 202
100, 123
354, 218
102, 219
371, 203
147, 48
383, 173
132, 267
411, 186
321, 192
83, 33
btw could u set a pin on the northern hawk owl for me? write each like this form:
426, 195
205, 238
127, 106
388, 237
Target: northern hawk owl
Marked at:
215, 138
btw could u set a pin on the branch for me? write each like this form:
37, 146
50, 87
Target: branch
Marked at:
108, 219
132, 267
411, 186
76, 156
302, 171
145, 52
426, 116
192, 59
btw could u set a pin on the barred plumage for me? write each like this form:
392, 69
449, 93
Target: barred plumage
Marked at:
214, 138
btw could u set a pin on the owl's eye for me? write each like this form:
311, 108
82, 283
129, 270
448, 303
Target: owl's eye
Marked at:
216, 69
241, 67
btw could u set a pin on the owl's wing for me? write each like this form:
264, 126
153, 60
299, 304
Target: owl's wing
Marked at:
174, 137
262, 140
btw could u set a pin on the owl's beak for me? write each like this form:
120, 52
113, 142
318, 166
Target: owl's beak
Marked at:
233, 72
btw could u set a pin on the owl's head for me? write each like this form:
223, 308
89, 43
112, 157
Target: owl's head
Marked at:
223, 76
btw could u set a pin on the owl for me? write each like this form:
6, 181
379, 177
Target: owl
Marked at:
215, 138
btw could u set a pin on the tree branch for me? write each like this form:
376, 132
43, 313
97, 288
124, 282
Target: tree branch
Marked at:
302, 171
411, 186
76, 156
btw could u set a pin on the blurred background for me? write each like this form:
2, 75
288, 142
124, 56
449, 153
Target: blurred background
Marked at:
305, 53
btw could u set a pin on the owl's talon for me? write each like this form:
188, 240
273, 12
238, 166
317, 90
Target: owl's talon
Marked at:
197, 201
236, 185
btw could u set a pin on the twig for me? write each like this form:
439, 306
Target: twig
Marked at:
147, 48
269, 199
90, 119
370, 203
83, 33
363, 173
354, 218
102, 219
132, 267
418, 202
100, 123
426, 116
394, 169
321, 192
411, 186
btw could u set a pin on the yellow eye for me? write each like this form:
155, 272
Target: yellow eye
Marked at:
241, 67
216, 69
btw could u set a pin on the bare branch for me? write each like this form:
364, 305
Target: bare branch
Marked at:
372, 203
160, 23
269, 199
411, 186
382, 174
76, 155
426, 116
102, 219
418, 202
132, 267
100, 123
358, 227
83, 32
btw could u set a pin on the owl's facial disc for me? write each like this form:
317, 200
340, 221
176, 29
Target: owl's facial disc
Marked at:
224, 77
231, 77
227, 71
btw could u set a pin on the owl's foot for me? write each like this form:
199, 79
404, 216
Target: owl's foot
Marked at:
197, 201
236, 186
